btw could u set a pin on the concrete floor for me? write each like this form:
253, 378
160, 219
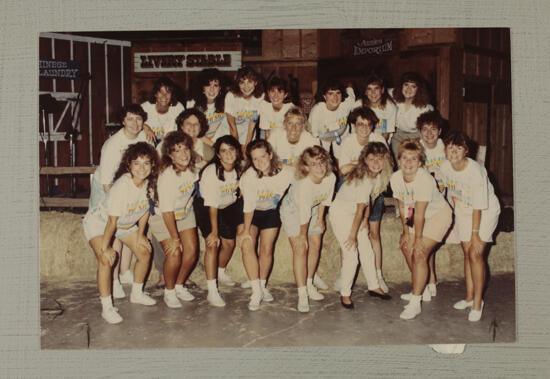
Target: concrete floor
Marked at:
70, 319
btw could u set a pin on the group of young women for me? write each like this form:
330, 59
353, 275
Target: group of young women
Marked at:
213, 169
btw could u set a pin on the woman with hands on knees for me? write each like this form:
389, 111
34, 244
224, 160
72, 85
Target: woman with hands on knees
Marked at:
425, 216
173, 223
123, 214
219, 210
302, 216
263, 184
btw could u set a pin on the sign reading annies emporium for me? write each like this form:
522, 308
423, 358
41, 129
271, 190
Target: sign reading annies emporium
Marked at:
374, 46
187, 61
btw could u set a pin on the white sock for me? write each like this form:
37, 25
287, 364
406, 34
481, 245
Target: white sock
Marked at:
415, 299
106, 302
211, 285
379, 273
137, 287
263, 283
255, 284
116, 281
178, 287
169, 292
302, 291
309, 282
221, 271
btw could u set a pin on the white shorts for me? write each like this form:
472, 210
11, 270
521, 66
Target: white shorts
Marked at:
159, 230
290, 218
487, 226
94, 226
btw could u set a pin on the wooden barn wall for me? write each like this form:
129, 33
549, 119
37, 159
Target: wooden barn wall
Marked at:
95, 94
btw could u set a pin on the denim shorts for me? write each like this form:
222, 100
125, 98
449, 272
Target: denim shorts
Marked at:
377, 209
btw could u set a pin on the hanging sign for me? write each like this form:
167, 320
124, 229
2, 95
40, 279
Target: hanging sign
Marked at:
51, 68
187, 61
374, 46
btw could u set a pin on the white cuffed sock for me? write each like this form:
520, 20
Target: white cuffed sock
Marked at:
137, 287
106, 302
169, 292
211, 285
221, 271
256, 289
415, 299
178, 287
263, 283
309, 282
302, 291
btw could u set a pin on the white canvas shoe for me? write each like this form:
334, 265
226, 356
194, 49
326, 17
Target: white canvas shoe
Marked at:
320, 283
171, 300
303, 304
111, 315
255, 301
432, 288
474, 315
184, 294
314, 294
246, 284
224, 279
141, 298
267, 295
215, 299
426, 295
118, 291
406, 296
411, 311
463, 304
127, 277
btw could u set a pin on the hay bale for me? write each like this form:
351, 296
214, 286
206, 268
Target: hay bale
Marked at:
66, 255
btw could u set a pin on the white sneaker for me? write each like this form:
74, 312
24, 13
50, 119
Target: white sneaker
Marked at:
411, 311
337, 284
314, 294
141, 298
474, 315
382, 284
255, 301
224, 279
267, 295
246, 284
406, 296
118, 291
184, 294
127, 277
303, 304
111, 316
215, 299
426, 295
318, 282
432, 288
171, 300
463, 304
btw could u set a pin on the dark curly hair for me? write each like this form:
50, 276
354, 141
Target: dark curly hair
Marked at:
422, 97
248, 72
366, 114
205, 77
275, 166
279, 84
228, 139
163, 82
134, 109
430, 117
168, 142
378, 80
329, 85
193, 112
459, 138
133, 152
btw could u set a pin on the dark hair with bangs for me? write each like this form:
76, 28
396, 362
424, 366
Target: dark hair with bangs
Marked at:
133, 152
422, 97
248, 72
275, 166
458, 138
366, 114
134, 109
193, 112
378, 80
169, 141
228, 139
430, 117
279, 84
330, 85
205, 77
164, 82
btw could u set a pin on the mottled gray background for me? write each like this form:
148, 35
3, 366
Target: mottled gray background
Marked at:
20, 23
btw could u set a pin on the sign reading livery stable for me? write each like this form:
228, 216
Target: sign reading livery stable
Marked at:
187, 61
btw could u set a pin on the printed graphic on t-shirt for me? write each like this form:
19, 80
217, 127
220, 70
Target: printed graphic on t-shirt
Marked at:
334, 130
227, 194
459, 193
134, 211
319, 199
267, 200
246, 115
382, 126
184, 193
214, 121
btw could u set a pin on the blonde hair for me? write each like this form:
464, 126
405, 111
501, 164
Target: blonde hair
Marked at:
313, 152
362, 169
297, 112
412, 145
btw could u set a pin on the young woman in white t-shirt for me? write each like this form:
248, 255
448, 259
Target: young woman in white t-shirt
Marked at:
123, 214
262, 185
273, 110
425, 217
219, 211
173, 223
476, 210
412, 98
377, 98
302, 216
242, 105
209, 98
193, 123
349, 217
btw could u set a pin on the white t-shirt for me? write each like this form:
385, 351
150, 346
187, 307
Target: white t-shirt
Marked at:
244, 111
351, 194
434, 158
289, 153
264, 193
351, 149
126, 201
216, 193
422, 188
111, 154
386, 116
162, 124
306, 195
470, 188
271, 119
406, 120
217, 121
176, 192
327, 125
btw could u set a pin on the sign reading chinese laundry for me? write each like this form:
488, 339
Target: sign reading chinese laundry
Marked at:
187, 61
51, 68
375, 46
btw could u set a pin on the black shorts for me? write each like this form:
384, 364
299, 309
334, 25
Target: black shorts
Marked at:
266, 219
228, 218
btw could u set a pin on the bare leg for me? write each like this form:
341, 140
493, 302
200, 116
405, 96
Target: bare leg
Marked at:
313, 252
226, 251
267, 242
250, 260
103, 268
468, 272
211, 262
190, 243
408, 258
171, 265
117, 246
478, 270
299, 261
125, 259
143, 256
420, 266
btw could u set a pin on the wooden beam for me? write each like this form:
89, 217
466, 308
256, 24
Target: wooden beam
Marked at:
63, 202
48, 170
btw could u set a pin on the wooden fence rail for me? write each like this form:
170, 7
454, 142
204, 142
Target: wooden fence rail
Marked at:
65, 202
